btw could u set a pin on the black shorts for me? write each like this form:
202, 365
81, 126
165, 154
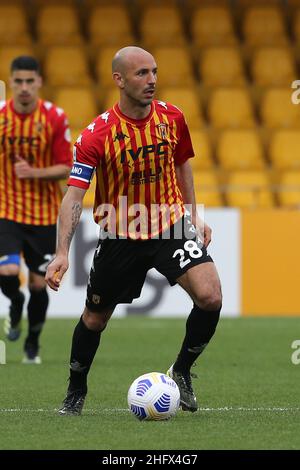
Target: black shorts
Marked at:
36, 243
120, 266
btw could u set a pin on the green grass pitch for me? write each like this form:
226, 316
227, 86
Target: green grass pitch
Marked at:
247, 388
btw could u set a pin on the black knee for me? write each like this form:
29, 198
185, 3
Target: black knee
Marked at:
10, 285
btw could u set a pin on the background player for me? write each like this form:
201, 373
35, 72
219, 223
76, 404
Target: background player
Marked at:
35, 154
139, 150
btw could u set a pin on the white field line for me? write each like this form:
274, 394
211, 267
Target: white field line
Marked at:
123, 410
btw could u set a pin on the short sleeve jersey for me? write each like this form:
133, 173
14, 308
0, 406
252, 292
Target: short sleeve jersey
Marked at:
136, 194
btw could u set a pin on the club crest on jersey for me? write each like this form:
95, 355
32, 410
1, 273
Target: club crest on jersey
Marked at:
38, 127
162, 128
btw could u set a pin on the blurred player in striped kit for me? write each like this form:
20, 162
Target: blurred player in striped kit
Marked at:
35, 154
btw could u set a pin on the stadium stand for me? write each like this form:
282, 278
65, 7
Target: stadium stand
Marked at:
240, 149
249, 189
231, 107
228, 60
188, 101
13, 26
153, 27
228, 64
58, 25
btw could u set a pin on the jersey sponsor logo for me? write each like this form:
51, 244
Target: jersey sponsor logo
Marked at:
149, 175
145, 151
20, 140
120, 136
82, 172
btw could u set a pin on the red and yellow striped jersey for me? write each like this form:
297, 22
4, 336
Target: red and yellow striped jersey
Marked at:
43, 139
136, 195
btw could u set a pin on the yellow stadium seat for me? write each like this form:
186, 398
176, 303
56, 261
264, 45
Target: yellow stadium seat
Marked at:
231, 107
273, 66
285, 149
174, 67
240, 149
212, 26
258, 3
249, 189
142, 4
7, 54
203, 159
192, 4
103, 65
187, 100
58, 25
277, 109
264, 26
111, 97
154, 31
78, 103
13, 26
66, 66
221, 66
207, 189
41, 3
289, 190
110, 25
296, 25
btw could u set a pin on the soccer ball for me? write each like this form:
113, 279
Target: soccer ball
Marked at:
153, 396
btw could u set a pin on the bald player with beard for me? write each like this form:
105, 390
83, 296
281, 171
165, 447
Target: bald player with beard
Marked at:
139, 150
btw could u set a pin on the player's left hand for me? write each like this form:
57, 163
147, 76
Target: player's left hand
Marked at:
207, 235
204, 231
23, 169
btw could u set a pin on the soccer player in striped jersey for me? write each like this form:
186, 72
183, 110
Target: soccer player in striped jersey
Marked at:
35, 153
139, 151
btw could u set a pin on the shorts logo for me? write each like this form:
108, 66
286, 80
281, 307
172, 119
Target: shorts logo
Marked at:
162, 128
96, 299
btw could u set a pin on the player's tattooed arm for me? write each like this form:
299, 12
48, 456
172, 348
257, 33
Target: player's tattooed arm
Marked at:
76, 213
69, 217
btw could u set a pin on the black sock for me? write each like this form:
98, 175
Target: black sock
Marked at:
200, 327
37, 308
10, 287
85, 343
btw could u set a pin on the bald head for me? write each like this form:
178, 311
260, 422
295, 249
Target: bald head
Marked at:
127, 57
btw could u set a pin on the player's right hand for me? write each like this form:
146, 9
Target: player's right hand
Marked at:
55, 271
